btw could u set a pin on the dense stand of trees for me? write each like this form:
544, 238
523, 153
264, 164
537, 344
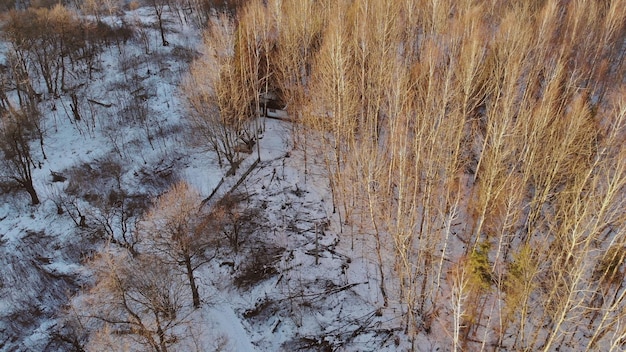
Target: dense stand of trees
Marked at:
51, 53
145, 281
479, 143
49, 42
219, 99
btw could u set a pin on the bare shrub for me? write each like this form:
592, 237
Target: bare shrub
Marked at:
184, 54
115, 218
92, 181
238, 220
259, 266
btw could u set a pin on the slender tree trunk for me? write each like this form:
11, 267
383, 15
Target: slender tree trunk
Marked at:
161, 29
162, 341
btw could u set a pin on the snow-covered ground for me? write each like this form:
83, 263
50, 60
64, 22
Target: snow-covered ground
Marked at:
41, 251
320, 294
295, 284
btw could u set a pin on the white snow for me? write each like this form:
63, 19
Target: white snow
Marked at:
323, 293
228, 324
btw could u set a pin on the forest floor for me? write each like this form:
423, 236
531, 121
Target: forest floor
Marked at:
296, 282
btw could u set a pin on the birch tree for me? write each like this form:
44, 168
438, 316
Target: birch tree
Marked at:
218, 102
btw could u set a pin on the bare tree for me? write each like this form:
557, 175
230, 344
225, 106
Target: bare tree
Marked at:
134, 299
17, 160
234, 219
102, 7
459, 294
218, 99
175, 231
481, 144
159, 6
42, 35
116, 218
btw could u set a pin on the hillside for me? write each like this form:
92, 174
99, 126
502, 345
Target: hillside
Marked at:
291, 175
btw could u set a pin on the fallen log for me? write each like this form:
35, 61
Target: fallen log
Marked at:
99, 103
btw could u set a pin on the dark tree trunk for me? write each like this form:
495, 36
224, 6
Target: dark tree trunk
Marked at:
161, 334
74, 106
165, 42
192, 282
28, 186
159, 13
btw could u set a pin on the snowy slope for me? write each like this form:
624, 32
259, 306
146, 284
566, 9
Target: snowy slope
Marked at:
41, 251
297, 282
